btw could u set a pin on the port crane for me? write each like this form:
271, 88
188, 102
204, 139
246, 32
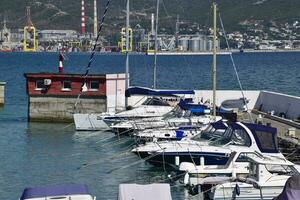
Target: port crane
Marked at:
30, 37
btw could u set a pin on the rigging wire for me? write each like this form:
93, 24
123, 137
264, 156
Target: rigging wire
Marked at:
165, 9
235, 68
93, 53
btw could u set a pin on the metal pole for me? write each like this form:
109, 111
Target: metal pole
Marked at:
95, 19
214, 58
127, 50
155, 50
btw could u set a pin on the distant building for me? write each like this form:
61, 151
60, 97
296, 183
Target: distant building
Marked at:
57, 35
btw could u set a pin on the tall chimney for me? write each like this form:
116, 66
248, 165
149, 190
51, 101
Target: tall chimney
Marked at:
152, 24
95, 19
82, 18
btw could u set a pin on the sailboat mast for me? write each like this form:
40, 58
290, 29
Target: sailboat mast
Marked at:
155, 46
127, 50
214, 57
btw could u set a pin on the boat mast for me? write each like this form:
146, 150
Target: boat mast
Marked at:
155, 46
214, 57
127, 49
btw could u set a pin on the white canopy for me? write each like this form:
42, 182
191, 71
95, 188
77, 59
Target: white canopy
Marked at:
144, 192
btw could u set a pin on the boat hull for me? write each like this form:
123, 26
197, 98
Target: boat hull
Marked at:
173, 159
89, 122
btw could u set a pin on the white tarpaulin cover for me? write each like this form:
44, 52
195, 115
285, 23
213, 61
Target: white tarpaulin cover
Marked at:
144, 192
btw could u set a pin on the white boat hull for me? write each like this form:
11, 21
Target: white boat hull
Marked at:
89, 122
247, 192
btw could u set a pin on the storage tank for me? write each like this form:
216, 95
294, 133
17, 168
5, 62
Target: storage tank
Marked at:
203, 43
194, 44
183, 43
209, 45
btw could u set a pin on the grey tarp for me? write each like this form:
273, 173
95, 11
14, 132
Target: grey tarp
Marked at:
291, 190
144, 192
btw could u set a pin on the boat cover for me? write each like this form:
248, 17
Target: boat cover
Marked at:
58, 190
152, 92
219, 125
291, 190
265, 136
186, 105
144, 192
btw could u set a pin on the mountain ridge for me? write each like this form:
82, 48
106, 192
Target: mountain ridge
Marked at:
65, 14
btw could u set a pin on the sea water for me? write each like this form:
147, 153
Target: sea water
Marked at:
36, 154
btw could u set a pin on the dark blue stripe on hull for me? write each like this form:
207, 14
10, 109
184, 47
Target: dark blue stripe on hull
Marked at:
169, 158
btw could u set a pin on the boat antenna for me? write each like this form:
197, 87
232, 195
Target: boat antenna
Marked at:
235, 69
214, 71
155, 45
92, 54
127, 52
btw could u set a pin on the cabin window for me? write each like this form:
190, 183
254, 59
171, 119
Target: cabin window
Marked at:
266, 141
94, 85
39, 85
66, 86
155, 102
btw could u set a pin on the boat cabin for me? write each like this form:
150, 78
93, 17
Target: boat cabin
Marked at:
259, 137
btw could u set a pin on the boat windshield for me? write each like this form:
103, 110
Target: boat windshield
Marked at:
234, 137
175, 112
210, 133
155, 102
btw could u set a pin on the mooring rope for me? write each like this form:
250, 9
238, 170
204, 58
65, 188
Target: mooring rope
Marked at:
93, 53
235, 68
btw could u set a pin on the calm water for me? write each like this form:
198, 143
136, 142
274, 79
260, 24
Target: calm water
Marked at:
33, 154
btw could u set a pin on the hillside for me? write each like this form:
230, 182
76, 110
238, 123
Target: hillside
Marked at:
65, 14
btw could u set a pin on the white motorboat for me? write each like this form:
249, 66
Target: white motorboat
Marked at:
183, 114
70, 192
171, 133
257, 137
236, 166
152, 107
266, 180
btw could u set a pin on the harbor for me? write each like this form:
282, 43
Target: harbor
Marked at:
39, 147
191, 121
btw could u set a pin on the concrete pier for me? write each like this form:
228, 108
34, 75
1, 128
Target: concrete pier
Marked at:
2, 93
61, 109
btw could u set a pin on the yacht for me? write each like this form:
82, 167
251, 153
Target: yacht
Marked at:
157, 104
266, 179
171, 133
151, 107
185, 113
257, 137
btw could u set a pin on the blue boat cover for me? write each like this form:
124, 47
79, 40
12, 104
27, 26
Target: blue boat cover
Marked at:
219, 125
260, 127
58, 190
152, 92
179, 135
186, 105
291, 190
